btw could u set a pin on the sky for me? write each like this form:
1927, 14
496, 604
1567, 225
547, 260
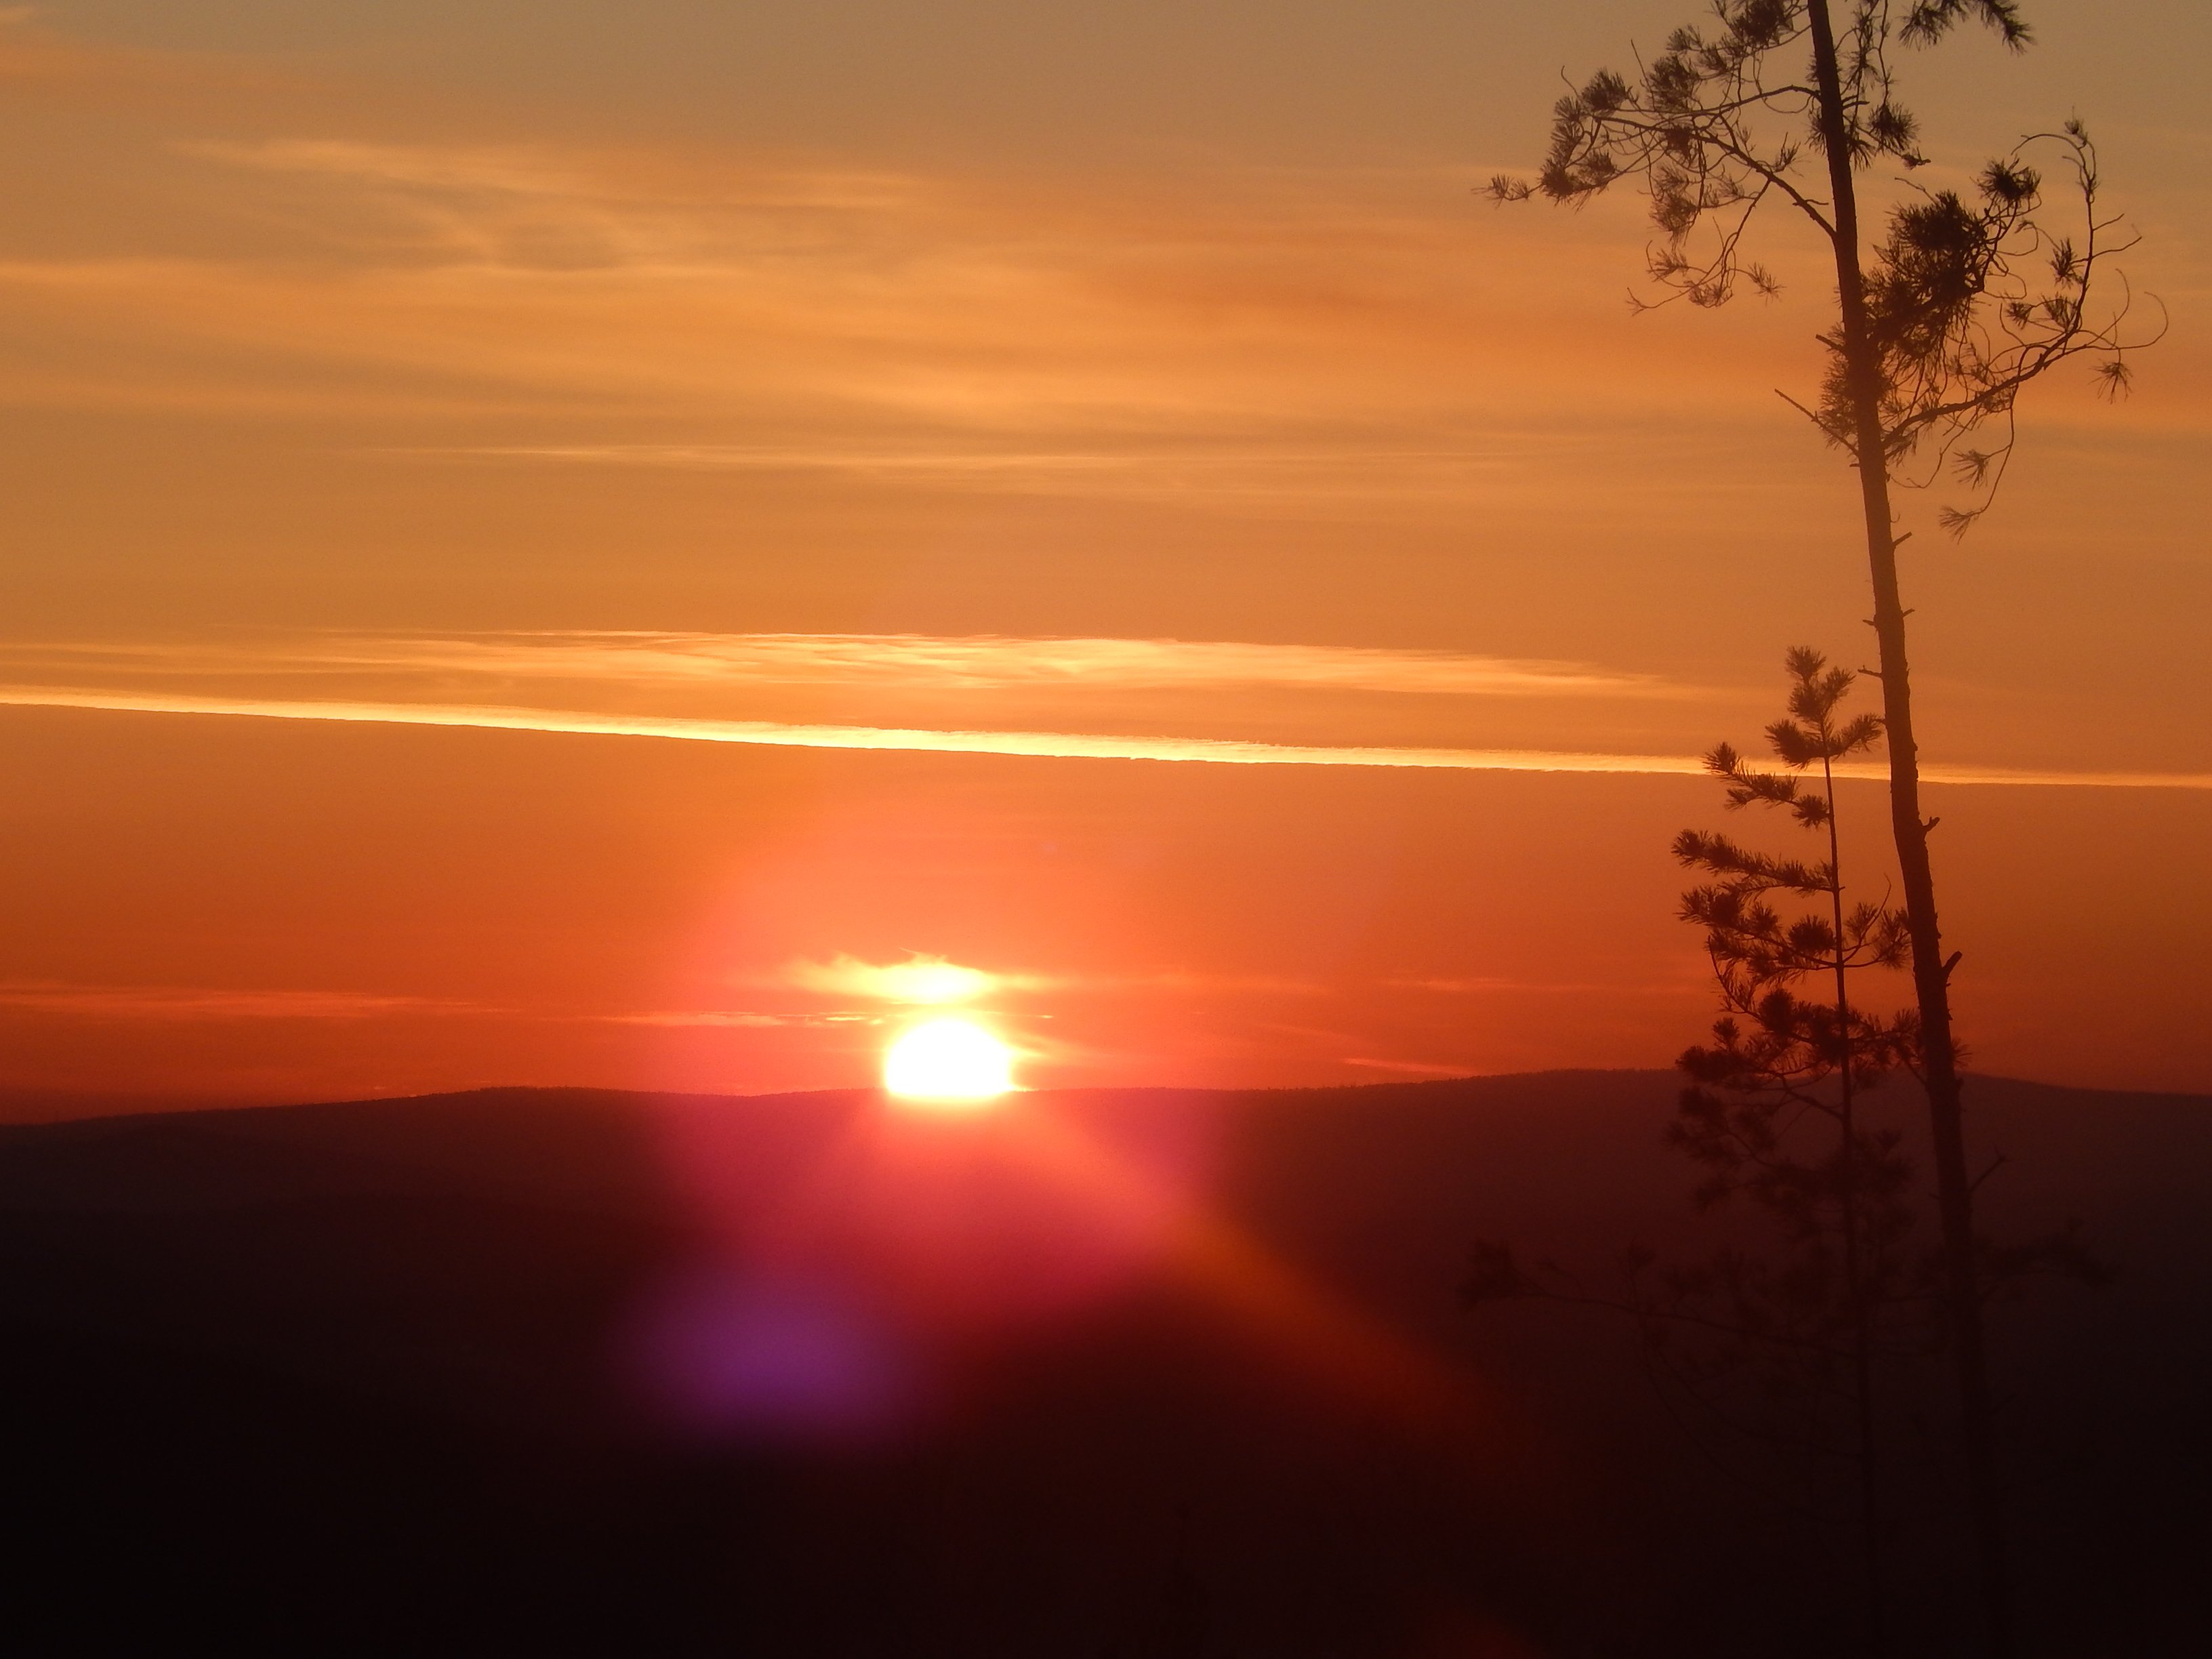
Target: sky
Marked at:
568, 543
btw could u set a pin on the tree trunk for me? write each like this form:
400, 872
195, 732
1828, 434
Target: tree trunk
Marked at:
1930, 973
1854, 1265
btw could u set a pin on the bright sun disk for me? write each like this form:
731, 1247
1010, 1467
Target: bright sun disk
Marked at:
951, 1062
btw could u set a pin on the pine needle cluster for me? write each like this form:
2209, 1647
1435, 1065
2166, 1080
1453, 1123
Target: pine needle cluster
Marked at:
1971, 294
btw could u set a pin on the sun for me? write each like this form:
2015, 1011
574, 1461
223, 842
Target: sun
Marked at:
948, 1062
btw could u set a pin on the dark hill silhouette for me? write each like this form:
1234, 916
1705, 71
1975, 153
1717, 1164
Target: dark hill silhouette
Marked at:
355, 1378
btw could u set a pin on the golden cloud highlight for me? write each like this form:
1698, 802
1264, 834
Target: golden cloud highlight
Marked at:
919, 980
1064, 745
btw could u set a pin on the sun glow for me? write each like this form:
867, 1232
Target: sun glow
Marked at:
952, 1062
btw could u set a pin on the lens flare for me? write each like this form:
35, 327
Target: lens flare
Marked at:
948, 1062
724, 1352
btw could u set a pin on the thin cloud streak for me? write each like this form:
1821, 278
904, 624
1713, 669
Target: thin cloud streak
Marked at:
923, 979
745, 1019
1063, 745
962, 310
1494, 985
187, 1003
983, 662
1362, 465
920, 980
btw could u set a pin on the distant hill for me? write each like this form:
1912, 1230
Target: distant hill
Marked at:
1117, 1372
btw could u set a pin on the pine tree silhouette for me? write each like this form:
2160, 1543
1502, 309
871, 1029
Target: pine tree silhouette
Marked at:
1779, 1058
1771, 1115
1969, 297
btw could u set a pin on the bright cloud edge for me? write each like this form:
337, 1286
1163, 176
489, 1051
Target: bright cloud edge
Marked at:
1062, 745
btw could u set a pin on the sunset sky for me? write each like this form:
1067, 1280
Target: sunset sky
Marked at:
561, 543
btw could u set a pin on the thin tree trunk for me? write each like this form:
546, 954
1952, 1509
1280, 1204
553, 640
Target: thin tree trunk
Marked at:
1930, 973
1854, 1263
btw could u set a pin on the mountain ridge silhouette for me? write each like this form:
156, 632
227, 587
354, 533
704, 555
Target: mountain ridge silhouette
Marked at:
339, 1376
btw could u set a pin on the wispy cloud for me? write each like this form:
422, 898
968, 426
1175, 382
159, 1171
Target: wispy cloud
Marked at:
1243, 339
919, 980
1070, 746
652, 305
742, 1019
42, 60
1257, 462
901, 661
1493, 984
1188, 984
922, 980
522, 208
189, 1004
639, 185
157, 1002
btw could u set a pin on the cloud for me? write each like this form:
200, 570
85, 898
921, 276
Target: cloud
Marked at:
186, 1003
1183, 984
1493, 985
643, 183
1221, 337
919, 980
1066, 745
1073, 746
901, 661
1241, 338
1354, 465
537, 210
746, 1019
41, 62
191, 1003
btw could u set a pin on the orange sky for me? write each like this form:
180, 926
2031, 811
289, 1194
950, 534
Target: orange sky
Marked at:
506, 393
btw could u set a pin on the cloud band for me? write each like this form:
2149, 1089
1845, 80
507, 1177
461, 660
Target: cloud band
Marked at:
1065, 745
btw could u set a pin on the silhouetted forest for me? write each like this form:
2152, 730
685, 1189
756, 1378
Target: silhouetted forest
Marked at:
349, 1378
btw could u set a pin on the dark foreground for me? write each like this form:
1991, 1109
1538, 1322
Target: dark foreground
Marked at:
401, 1377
